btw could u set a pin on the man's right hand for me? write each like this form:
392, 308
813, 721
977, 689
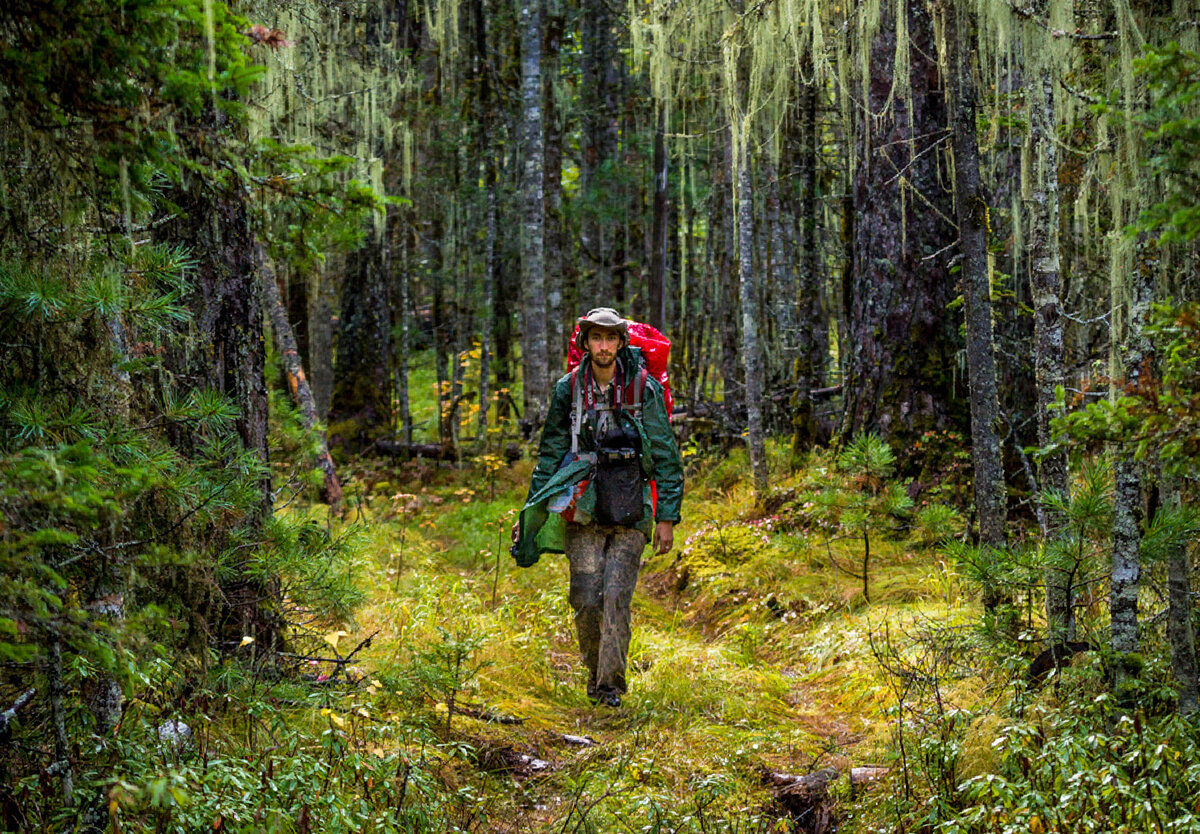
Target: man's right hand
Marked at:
516, 533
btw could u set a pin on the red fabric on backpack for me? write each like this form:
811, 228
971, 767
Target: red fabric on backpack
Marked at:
656, 350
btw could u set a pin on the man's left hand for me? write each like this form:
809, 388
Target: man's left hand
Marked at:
664, 536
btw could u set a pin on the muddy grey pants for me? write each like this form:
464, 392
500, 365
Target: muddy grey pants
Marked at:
604, 571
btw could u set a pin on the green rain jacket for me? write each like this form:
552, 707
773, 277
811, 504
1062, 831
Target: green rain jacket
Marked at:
543, 531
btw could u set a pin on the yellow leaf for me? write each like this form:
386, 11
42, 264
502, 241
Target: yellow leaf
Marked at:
337, 719
1035, 825
247, 640
333, 637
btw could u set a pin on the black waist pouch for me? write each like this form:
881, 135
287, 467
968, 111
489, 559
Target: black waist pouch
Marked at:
618, 483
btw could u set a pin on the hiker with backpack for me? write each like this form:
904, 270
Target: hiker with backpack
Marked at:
609, 479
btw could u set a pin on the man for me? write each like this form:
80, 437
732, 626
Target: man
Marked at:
607, 435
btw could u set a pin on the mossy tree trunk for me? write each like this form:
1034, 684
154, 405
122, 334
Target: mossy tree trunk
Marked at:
899, 351
227, 354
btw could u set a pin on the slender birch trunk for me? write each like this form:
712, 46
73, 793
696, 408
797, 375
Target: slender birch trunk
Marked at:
1133, 356
971, 211
1048, 349
556, 334
533, 231
750, 346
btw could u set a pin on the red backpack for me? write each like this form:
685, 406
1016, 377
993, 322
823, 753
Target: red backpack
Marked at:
656, 350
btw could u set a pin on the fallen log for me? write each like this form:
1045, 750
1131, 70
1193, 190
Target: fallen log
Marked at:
805, 799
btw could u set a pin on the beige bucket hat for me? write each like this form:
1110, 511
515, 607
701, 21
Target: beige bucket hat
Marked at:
605, 317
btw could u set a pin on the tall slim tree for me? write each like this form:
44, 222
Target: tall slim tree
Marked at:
533, 219
1042, 205
971, 211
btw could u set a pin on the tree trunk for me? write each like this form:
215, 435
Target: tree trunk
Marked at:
1048, 349
658, 233
533, 222
750, 346
228, 355
1180, 612
727, 273
809, 367
556, 337
783, 339
361, 410
971, 211
404, 345
1133, 359
900, 344
320, 297
598, 146
289, 355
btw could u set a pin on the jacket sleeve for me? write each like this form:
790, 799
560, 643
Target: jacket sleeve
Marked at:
556, 436
664, 453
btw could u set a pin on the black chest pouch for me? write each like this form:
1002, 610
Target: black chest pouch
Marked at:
618, 477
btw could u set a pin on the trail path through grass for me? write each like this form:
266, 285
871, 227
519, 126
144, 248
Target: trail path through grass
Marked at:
731, 673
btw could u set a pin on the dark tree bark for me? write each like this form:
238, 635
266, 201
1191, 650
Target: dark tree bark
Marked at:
900, 342
659, 224
971, 210
403, 234
782, 329
1181, 611
227, 354
361, 409
598, 146
727, 276
811, 343
487, 166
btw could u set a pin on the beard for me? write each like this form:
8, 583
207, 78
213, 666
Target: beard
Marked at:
604, 360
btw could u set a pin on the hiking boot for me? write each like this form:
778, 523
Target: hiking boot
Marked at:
609, 699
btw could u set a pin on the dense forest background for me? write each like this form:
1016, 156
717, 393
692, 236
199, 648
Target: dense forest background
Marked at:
929, 272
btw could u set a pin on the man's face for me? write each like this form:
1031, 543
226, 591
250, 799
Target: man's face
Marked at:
603, 345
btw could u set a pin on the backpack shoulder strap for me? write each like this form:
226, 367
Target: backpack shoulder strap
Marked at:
639, 387
576, 409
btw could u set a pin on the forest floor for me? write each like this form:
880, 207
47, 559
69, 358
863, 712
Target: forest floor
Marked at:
752, 655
